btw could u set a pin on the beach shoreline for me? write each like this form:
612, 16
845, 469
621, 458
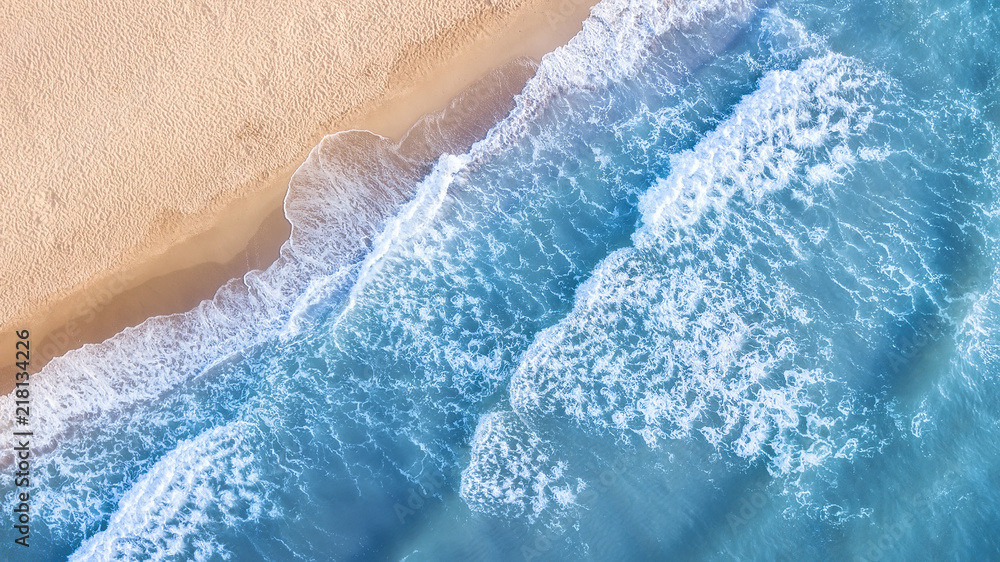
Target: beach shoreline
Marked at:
247, 231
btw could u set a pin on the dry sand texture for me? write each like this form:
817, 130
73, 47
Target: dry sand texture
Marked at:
129, 128
124, 121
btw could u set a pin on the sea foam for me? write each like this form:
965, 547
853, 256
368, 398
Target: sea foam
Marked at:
666, 341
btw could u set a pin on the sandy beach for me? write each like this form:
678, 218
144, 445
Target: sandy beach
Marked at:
150, 148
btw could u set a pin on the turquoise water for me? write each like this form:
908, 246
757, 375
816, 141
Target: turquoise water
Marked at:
723, 286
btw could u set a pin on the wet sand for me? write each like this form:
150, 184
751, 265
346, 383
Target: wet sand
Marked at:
246, 231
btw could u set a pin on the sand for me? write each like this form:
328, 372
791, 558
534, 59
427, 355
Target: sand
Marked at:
149, 149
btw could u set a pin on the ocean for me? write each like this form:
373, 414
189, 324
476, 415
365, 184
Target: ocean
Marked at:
723, 285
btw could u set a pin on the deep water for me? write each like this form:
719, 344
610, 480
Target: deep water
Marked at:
723, 286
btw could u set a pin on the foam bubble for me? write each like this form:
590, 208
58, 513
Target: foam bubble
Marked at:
411, 218
795, 121
338, 200
513, 472
171, 510
686, 336
613, 44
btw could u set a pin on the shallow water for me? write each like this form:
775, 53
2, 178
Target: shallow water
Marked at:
723, 286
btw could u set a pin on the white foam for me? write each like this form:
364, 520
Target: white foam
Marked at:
678, 338
110, 377
512, 471
210, 480
788, 38
804, 117
978, 335
334, 214
613, 43
411, 219
142, 363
